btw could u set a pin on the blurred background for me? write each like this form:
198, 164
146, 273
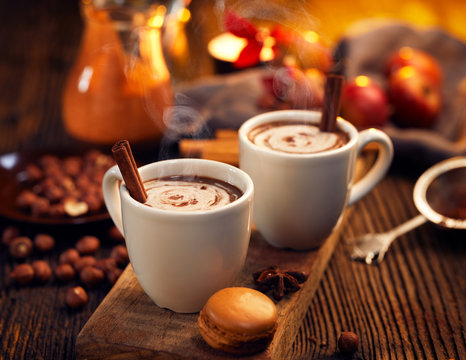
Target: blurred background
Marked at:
61, 70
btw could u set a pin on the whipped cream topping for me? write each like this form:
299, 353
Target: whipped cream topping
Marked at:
191, 195
295, 138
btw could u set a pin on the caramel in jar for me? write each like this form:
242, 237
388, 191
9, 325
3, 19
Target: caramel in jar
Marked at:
119, 85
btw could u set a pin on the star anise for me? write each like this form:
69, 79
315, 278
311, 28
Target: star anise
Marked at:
281, 281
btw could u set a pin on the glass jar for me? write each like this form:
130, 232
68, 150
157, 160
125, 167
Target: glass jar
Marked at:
119, 85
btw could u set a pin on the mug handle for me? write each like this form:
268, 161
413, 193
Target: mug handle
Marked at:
111, 191
380, 167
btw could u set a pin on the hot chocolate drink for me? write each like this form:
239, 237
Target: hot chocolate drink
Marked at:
296, 137
189, 193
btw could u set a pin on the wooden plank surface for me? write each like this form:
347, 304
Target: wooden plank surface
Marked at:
411, 306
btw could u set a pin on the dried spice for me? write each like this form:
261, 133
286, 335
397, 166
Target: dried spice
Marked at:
280, 281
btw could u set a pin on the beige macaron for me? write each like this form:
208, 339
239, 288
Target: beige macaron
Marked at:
238, 320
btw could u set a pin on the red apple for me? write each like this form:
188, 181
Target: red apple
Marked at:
364, 103
415, 99
422, 61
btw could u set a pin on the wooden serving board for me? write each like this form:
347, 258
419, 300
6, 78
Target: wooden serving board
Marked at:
128, 325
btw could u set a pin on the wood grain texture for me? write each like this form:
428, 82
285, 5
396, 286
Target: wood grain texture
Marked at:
412, 306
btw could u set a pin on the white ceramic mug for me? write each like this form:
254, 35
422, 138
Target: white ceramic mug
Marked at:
299, 198
182, 258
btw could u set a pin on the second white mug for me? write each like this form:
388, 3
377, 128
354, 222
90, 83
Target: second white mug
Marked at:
299, 198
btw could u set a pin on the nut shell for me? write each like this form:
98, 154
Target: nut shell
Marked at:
9, 233
21, 247
113, 275
64, 272
348, 342
83, 262
22, 274
106, 264
42, 270
120, 254
44, 242
69, 256
87, 245
76, 297
91, 276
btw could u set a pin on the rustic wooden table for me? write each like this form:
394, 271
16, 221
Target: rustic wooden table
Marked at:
411, 306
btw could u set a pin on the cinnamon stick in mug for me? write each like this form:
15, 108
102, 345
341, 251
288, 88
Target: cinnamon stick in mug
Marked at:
331, 105
124, 158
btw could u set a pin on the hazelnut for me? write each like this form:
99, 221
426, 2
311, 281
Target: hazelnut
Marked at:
54, 193
53, 171
72, 165
37, 190
25, 199
22, 274
348, 342
95, 190
9, 233
83, 262
88, 245
64, 272
94, 203
120, 254
115, 234
69, 256
49, 160
21, 247
68, 184
91, 156
33, 173
44, 242
44, 186
98, 175
40, 206
42, 270
83, 182
103, 162
106, 264
91, 276
113, 275
76, 297
56, 210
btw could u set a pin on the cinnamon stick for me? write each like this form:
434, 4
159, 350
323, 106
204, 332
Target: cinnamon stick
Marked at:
226, 134
331, 105
223, 148
124, 158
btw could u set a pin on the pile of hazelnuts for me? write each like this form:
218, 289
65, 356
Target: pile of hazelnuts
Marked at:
63, 187
79, 260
